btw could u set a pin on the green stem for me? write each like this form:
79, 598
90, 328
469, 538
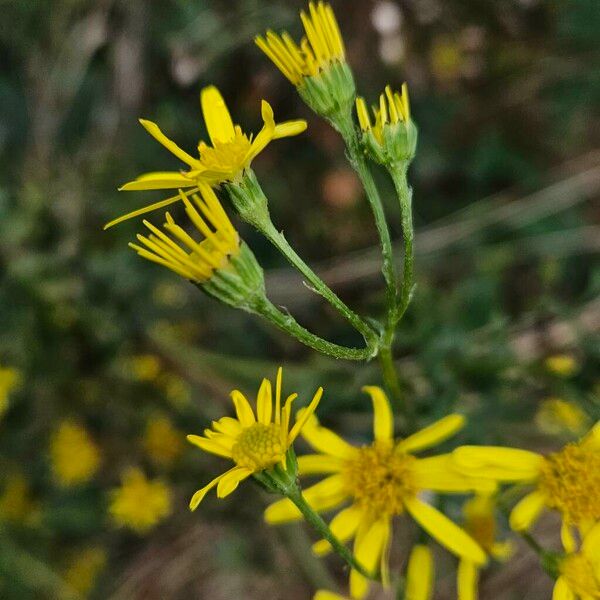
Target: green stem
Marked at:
287, 323
280, 242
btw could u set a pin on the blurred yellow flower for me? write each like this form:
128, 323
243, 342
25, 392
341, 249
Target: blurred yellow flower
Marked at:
419, 574
140, 504
557, 416
327, 595
9, 380
563, 365
196, 261
16, 504
177, 390
226, 159
254, 442
162, 442
381, 480
144, 367
82, 573
74, 457
480, 522
567, 481
579, 571
321, 48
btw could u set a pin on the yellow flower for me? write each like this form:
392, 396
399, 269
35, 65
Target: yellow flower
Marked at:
393, 108
253, 443
559, 416
144, 367
321, 48
420, 574
563, 365
579, 572
180, 253
162, 442
229, 155
74, 456
480, 522
567, 481
380, 480
16, 504
140, 503
9, 380
82, 572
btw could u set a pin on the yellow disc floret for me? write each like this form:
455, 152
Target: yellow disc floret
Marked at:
570, 481
380, 479
259, 446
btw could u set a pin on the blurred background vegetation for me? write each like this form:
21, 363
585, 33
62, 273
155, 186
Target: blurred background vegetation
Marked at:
106, 361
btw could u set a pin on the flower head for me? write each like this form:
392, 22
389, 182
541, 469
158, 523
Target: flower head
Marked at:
390, 135
228, 155
140, 503
16, 502
255, 442
162, 442
74, 456
579, 571
317, 66
82, 572
380, 481
567, 481
561, 416
562, 365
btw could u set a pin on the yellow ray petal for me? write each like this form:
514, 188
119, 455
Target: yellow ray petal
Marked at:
447, 533
231, 480
494, 462
211, 446
227, 425
243, 409
591, 543
264, 403
437, 474
324, 495
327, 595
527, 511
419, 574
433, 434
467, 579
326, 441
343, 526
289, 128
199, 495
383, 419
305, 415
216, 115
162, 180
265, 135
367, 551
316, 464
562, 591
154, 130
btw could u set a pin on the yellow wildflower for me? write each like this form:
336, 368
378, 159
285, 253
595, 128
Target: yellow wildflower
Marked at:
563, 365
83, 571
16, 504
145, 367
480, 523
567, 481
420, 573
180, 253
140, 503
559, 416
253, 442
579, 571
74, 456
321, 48
9, 380
226, 159
162, 442
381, 480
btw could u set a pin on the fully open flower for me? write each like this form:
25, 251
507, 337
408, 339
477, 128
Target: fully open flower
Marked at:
255, 442
567, 481
74, 456
317, 66
179, 252
579, 571
380, 481
227, 157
